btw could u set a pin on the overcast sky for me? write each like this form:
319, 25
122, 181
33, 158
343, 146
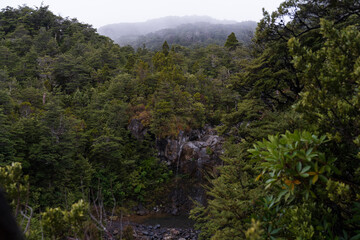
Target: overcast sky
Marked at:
102, 12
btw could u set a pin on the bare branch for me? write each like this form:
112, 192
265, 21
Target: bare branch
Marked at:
28, 218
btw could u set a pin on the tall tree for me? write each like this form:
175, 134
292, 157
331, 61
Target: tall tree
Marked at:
165, 48
271, 74
231, 42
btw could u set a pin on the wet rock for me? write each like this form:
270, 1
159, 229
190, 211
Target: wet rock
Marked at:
167, 237
156, 209
191, 154
137, 129
175, 211
141, 211
174, 231
155, 232
184, 150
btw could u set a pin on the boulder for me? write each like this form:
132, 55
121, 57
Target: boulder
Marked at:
137, 129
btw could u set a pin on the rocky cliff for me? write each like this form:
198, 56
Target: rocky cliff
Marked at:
192, 156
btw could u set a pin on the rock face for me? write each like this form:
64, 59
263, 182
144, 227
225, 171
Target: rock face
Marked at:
191, 156
137, 129
191, 152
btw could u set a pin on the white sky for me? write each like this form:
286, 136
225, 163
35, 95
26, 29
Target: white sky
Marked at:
102, 12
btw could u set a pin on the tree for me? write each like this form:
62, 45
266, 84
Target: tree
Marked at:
45, 44
16, 186
271, 75
307, 194
231, 42
71, 72
60, 224
330, 100
165, 48
7, 151
288, 160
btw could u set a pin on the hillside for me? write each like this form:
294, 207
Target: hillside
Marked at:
189, 35
117, 30
186, 31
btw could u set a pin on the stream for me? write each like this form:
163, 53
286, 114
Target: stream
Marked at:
159, 226
166, 220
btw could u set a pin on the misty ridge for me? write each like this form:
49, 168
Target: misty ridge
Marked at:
187, 31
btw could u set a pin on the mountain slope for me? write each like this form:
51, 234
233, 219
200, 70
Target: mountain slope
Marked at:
189, 35
187, 31
118, 30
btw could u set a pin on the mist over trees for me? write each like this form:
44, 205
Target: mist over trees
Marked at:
190, 31
117, 30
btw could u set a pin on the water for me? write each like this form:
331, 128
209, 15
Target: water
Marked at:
182, 141
166, 220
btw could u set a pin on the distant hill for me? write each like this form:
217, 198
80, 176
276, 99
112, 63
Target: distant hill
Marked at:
117, 30
186, 31
199, 34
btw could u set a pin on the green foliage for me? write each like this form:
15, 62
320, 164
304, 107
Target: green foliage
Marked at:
6, 143
231, 198
330, 100
338, 192
59, 223
254, 232
231, 42
56, 223
15, 185
165, 48
148, 180
293, 162
298, 221
311, 63
271, 75
192, 36
335, 68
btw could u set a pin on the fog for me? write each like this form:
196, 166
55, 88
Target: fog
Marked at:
99, 13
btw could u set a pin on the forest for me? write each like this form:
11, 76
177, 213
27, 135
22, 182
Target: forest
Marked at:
185, 31
175, 29
287, 106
